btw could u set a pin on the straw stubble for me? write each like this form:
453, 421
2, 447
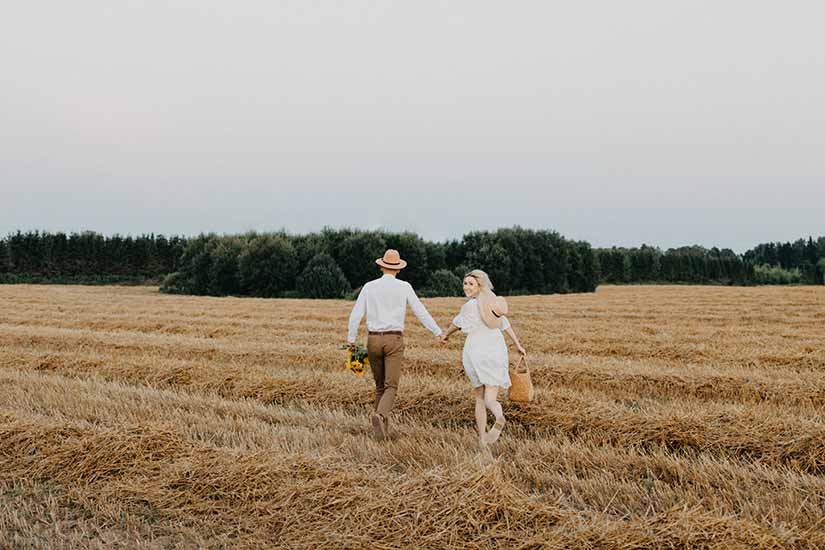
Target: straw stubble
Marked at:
681, 417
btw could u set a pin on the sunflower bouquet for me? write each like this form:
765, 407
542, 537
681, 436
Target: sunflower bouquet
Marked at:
357, 360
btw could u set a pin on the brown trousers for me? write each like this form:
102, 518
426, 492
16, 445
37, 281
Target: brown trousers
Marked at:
385, 351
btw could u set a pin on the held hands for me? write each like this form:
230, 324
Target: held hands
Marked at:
442, 340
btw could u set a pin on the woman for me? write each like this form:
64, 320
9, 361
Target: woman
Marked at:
486, 362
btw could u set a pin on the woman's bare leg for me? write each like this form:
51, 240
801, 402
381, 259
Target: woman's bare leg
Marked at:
481, 413
491, 401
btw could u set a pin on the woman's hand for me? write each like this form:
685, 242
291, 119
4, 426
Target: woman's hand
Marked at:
521, 349
443, 338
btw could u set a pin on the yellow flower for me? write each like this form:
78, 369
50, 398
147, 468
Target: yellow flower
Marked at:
357, 360
357, 367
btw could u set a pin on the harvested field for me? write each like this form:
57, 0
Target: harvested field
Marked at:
666, 417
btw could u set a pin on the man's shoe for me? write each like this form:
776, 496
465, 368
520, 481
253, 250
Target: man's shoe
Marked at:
379, 431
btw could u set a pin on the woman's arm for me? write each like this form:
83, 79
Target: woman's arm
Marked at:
514, 338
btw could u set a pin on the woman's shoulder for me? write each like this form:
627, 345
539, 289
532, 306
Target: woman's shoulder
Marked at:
469, 305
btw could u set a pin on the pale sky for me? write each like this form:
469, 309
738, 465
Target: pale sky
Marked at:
664, 122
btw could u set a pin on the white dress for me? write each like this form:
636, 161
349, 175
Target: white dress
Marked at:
485, 357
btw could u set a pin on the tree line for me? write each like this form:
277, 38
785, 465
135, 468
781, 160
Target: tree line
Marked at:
800, 262
329, 263
337, 262
87, 257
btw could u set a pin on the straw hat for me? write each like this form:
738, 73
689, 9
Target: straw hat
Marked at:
391, 260
492, 308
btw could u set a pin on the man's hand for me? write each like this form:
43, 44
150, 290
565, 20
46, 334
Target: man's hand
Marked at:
442, 339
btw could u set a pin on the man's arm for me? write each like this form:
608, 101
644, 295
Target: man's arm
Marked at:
358, 311
446, 335
421, 312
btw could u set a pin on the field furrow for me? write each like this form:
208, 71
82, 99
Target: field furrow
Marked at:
254, 494
557, 464
56, 349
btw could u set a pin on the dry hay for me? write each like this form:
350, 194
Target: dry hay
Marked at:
667, 417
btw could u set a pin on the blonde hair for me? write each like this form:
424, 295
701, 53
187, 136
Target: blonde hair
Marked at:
482, 278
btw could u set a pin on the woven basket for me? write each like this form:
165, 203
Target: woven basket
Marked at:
521, 389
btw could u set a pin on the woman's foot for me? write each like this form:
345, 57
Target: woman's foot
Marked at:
495, 431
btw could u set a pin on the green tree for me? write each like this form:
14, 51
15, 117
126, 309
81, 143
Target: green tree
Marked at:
512, 240
586, 276
436, 256
26, 252
224, 278
267, 266
532, 267
444, 282
322, 278
786, 255
555, 261
356, 255
612, 262
644, 264
811, 254
195, 264
171, 284
485, 252
413, 250
4, 257
169, 252
307, 247
820, 247
776, 275
455, 254
57, 253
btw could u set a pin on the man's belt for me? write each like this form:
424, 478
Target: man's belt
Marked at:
377, 333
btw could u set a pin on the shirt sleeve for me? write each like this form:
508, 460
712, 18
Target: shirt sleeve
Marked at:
459, 320
358, 311
421, 312
505, 324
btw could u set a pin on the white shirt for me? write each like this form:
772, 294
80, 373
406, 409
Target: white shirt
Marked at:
385, 302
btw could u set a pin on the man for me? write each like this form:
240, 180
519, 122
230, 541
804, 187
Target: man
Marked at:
385, 302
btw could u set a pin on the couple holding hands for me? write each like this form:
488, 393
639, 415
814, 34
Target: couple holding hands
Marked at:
482, 319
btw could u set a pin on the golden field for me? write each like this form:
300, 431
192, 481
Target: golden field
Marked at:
666, 417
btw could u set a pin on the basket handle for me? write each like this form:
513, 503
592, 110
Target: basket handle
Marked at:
521, 365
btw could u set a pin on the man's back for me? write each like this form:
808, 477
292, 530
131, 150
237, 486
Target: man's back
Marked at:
384, 300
